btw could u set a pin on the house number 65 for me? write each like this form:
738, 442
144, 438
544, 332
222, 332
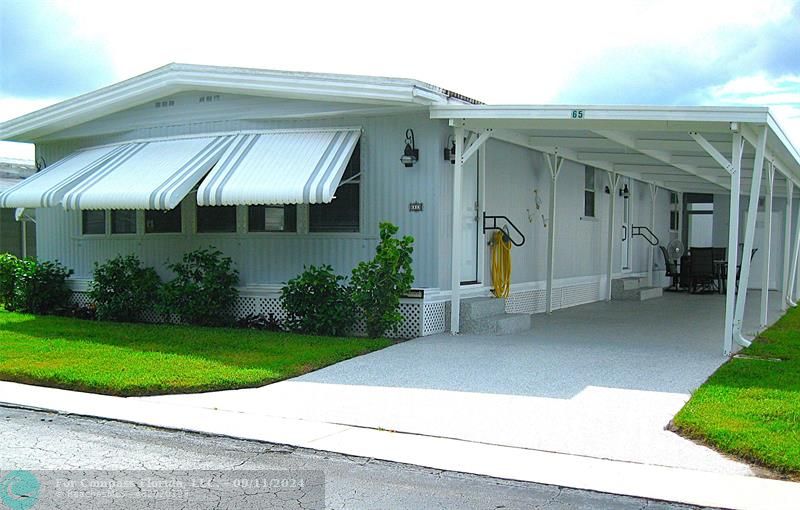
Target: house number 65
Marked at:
577, 114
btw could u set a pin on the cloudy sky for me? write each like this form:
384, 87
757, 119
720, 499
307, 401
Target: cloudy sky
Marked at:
612, 52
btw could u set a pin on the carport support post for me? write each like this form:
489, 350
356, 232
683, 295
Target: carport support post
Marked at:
767, 244
749, 234
455, 249
652, 257
733, 242
787, 245
613, 181
554, 162
790, 289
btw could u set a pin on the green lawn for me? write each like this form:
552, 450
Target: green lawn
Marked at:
750, 408
148, 359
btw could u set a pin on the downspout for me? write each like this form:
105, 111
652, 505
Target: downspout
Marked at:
613, 181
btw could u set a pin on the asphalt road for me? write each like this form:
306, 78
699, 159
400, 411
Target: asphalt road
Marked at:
34, 441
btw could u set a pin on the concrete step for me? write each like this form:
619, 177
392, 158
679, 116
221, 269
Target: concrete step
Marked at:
478, 308
646, 293
620, 286
640, 294
501, 324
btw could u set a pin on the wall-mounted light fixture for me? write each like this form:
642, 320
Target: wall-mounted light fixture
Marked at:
625, 192
410, 153
608, 191
450, 149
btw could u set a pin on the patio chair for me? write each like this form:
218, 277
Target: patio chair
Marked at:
672, 270
701, 273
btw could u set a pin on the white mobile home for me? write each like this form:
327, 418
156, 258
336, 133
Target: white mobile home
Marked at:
280, 170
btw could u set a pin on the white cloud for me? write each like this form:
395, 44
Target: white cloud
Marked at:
781, 94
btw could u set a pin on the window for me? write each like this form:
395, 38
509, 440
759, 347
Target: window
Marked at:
123, 221
94, 222
674, 212
216, 219
272, 218
342, 214
162, 222
588, 192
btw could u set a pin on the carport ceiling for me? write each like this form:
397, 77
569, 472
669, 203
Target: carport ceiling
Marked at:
649, 144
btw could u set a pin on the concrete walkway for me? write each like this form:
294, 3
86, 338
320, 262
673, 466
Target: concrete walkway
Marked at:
580, 401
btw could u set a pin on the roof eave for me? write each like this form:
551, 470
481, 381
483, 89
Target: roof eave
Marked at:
174, 78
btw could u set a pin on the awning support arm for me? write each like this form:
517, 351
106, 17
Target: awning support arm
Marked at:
712, 151
749, 235
613, 182
554, 162
476, 144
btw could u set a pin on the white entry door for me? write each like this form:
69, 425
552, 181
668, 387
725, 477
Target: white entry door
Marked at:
627, 224
469, 221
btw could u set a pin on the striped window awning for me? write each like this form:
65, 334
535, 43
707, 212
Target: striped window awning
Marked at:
280, 167
47, 187
273, 167
148, 175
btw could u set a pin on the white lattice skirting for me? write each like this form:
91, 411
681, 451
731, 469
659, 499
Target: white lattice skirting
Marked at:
421, 318
411, 327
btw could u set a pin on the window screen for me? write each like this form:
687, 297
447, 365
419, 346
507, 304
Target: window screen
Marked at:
162, 222
272, 218
589, 192
93, 222
123, 222
342, 214
214, 219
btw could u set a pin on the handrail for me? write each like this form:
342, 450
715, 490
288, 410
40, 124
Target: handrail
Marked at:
640, 231
505, 232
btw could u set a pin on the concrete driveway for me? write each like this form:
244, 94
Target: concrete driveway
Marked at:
601, 380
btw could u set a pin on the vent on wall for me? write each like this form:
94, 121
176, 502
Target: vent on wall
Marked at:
165, 104
209, 99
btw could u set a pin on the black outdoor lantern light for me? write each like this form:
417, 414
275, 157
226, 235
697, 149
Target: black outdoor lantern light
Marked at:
450, 150
625, 192
410, 153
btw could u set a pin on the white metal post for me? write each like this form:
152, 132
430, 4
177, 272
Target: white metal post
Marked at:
766, 245
455, 253
791, 301
24, 238
613, 181
733, 242
787, 245
749, 234
652, 257
554, 162
481, 210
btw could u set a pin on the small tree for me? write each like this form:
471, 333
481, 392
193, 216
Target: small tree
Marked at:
122, 290
204, 289
378, 285
318, 302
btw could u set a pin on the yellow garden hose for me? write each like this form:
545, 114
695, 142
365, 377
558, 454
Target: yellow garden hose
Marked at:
501, 264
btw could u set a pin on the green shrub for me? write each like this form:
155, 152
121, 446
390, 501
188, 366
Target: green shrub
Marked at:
40, 287
318, 302
123, 290
204, 289
8, 268
378, 285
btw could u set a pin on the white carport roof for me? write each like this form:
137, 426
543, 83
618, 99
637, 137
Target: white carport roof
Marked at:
687, 149
650, 143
